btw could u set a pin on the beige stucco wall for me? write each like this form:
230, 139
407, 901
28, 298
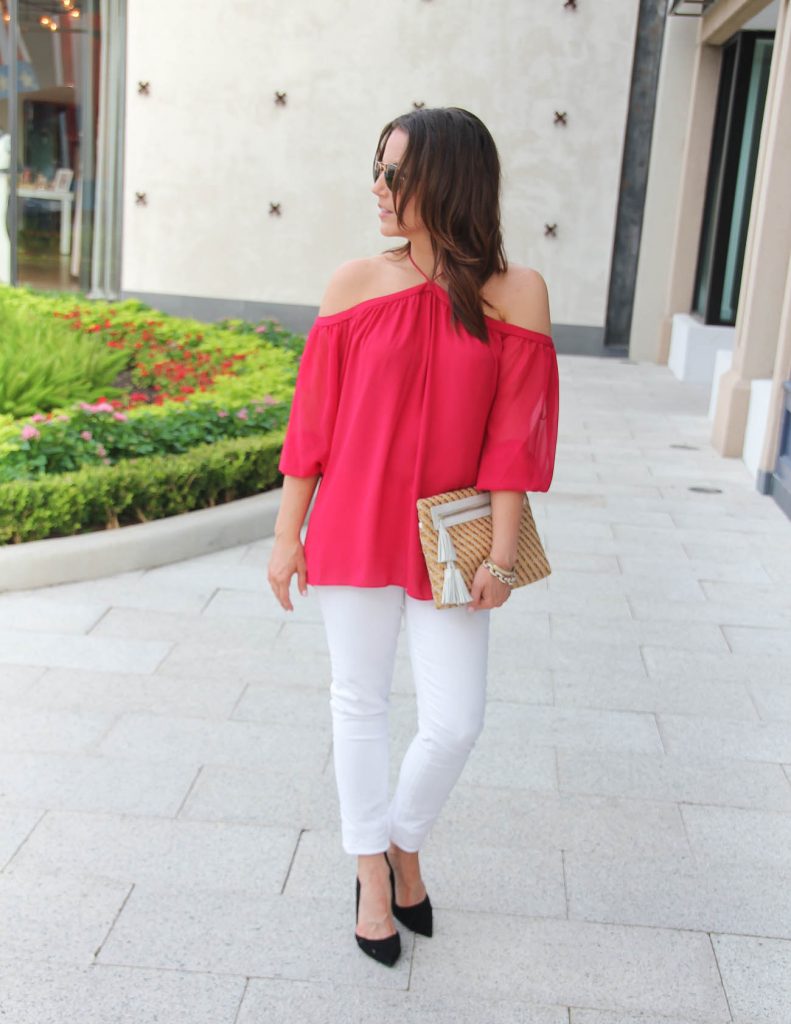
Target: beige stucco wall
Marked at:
211, 150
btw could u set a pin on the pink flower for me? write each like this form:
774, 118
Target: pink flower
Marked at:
101, 406
38, 418
86, 435
120, 417
260, 330
242, 414
222, 413
101, 451
29, 433
63, 418
269, 400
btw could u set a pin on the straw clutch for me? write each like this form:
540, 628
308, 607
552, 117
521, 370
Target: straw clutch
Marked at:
456, 536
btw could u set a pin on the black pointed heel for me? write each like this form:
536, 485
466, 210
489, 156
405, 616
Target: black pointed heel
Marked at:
386, 951
418, 918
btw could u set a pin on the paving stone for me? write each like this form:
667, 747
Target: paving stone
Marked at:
273, 702
756, 973
76, 782
676, 779
754, 640
276, 1000
509, 757
265, 936
89, 652
56, 918
55, 731
40, 993
664, 663
272, 796
68, 689
580, 1016
228, 604
735, 835
544, 821
595, 564
519, 684
768, 596
694, 636
572, 963
201, 740
598, 659
29, 612
680, 893
511, 726
629, 692
681, 610
747, 571
17, 676
158, 851
132, 590
142, 624
773, 700
709, 737
515, 881
16, 824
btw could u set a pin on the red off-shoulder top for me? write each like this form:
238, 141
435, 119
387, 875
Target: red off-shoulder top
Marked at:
394, 403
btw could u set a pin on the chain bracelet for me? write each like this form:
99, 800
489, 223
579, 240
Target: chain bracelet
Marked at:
507, 576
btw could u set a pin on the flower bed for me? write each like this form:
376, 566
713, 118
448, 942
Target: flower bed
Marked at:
150, 397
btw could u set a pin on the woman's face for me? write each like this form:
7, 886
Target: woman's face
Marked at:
388, 222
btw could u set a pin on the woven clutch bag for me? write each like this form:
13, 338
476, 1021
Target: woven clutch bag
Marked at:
456, 536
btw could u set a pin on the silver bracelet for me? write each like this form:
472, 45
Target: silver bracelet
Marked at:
507, 576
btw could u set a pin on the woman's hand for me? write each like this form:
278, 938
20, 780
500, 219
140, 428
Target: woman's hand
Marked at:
287, 558
487, 592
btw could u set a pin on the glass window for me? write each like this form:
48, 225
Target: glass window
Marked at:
47, 241
744, 77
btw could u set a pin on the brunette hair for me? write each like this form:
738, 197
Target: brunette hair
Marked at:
451, 168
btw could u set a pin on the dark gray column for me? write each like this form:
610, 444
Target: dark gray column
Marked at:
634, 173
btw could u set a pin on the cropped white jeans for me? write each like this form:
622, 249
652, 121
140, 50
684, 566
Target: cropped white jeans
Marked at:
448, 650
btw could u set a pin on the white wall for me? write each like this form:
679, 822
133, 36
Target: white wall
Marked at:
210, 148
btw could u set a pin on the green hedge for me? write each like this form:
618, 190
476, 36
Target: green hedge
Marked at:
138, 490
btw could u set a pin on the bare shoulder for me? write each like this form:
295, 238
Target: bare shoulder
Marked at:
520, 297
354, 282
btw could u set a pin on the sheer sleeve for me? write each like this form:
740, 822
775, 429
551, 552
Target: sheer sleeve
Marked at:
521, 434
315, 406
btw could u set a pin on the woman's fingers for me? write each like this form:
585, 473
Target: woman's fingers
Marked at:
286, 561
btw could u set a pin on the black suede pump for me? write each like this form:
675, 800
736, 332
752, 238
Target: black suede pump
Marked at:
419, 918
386, 951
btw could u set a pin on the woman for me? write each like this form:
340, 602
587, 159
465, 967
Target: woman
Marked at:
430, 367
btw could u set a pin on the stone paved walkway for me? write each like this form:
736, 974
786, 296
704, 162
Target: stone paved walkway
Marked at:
618, 850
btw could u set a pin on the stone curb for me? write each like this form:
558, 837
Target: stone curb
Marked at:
86, 556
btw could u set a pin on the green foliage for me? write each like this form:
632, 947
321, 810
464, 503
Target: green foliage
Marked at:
95, 434
44, 364
137, 490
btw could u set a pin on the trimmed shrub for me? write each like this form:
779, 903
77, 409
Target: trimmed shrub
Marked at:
138, 490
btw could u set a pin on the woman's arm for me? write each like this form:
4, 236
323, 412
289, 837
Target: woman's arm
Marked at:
288, 555
487, 591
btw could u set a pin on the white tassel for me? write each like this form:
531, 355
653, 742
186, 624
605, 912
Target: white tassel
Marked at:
445, 549
454, 589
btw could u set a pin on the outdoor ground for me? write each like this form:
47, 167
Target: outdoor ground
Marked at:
618, 850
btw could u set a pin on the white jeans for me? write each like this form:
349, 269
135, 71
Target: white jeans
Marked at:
448, 650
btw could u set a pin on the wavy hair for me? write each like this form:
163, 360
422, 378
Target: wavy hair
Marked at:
451, 168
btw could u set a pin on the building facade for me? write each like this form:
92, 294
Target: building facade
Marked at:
217, 163
713, 296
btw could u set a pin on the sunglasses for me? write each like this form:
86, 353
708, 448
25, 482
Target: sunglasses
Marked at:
389, 171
